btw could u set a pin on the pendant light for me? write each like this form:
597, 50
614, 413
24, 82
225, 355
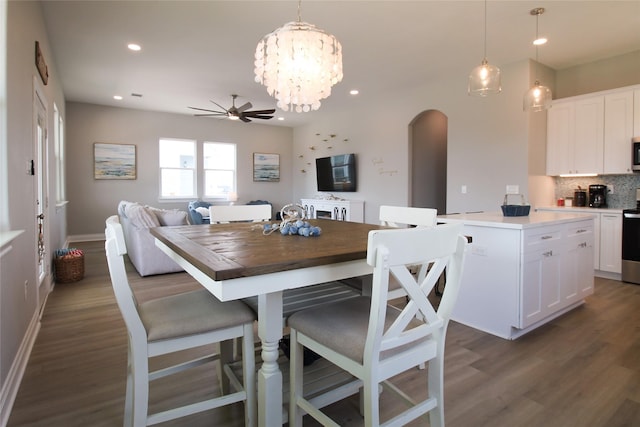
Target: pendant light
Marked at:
298, 63
485, 78
538, 98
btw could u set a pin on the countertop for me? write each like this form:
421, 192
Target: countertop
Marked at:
534, 219
581, 209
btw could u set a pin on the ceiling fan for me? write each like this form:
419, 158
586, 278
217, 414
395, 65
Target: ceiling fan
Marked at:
236, 113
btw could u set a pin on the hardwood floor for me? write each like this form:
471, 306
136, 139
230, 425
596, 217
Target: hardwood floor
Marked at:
582, 369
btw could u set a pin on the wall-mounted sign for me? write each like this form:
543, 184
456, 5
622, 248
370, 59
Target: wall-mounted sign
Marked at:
41, 65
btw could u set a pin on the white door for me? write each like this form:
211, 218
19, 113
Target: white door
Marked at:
39, 171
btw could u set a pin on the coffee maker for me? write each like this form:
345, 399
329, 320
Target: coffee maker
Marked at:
597, 196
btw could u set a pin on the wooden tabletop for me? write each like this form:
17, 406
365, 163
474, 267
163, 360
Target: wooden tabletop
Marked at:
230, 251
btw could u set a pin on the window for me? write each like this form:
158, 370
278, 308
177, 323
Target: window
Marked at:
219, 170
177, 169
59, 152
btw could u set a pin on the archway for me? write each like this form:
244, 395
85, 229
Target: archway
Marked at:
428, 160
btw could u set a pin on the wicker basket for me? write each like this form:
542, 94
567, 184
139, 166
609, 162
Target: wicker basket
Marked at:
515, 210
69, 269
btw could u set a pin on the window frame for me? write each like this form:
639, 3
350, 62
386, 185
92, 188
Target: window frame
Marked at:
234, 188
194, 184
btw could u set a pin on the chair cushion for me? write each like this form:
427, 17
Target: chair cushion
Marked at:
343, 326
191, 313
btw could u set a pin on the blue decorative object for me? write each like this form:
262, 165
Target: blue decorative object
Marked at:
293, 223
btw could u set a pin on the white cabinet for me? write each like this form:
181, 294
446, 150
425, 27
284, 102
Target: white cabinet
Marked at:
339, 210
575, 136
592, 133
518, 278
541, 275
607, 238
611, 242
636, 112
618, 131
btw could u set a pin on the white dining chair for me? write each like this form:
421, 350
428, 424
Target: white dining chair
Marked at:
175, 323
400, 217
255, 213
374, 341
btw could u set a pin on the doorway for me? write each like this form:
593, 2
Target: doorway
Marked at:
428, 161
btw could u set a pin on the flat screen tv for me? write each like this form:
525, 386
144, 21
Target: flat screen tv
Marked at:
336, 173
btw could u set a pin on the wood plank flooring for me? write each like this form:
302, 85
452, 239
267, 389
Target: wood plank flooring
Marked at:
582, 369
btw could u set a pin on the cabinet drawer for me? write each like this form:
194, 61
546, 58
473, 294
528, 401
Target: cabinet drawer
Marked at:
534, 239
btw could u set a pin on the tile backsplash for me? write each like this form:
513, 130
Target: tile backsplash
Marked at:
624, 188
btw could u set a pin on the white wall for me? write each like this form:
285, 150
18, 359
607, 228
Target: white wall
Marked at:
488, 143
92, 201
18, 288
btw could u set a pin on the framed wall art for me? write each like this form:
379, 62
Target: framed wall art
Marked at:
114, 161
266, 167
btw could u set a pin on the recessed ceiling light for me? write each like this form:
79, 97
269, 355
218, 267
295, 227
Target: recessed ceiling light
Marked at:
281, 118
117, 97
134, 46
540, 41
354, 91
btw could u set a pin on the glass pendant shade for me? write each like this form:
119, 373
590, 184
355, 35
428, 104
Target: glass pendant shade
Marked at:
298, 63
538, 98
484, 80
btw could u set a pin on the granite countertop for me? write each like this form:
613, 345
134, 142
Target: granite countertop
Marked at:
534, 219
581, 209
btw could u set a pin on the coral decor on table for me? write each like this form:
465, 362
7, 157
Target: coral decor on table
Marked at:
293, 223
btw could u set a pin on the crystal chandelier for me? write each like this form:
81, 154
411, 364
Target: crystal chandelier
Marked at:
538, 98
485, 78
298, 63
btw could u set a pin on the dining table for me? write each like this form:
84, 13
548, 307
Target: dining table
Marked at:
240, 260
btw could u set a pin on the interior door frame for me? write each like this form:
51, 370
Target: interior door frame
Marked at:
41, 189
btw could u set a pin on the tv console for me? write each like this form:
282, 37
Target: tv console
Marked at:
338, 210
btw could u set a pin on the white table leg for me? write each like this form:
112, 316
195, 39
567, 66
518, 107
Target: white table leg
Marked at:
269, 375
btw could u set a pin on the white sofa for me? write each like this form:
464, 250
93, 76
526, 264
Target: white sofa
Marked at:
136, 220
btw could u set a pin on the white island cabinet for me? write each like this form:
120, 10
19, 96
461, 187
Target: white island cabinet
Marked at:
521, 272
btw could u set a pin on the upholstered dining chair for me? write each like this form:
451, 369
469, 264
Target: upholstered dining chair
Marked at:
374, 341
175, 323
400, 217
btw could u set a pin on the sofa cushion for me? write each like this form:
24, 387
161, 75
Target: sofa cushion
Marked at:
139, 216
170, 216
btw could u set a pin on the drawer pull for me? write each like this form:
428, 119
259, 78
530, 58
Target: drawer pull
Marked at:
548, 254
582, 245
546, 237
582, 230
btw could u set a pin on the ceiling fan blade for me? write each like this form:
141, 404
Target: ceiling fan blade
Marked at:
262, 117
224, 109
211, 111
210, 115
244, 107
244, 119
253, 112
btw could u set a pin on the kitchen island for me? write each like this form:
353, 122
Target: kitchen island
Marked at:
522, 272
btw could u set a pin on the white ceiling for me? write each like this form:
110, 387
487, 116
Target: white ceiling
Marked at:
197, 51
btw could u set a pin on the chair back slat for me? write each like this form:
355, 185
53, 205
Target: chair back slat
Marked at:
391, 253
255, 213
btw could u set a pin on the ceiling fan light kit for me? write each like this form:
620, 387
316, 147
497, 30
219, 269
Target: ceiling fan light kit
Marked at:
539, 97
298, 63
485, 78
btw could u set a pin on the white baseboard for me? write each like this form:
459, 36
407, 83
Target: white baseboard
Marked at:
18, 367
86, 238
